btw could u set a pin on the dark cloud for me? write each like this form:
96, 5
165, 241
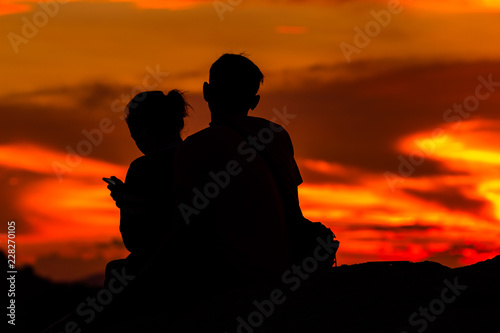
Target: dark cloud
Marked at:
452, 199
75, 267
62, 268
394, 229
56, 118
314, 177
358, 122
355, 122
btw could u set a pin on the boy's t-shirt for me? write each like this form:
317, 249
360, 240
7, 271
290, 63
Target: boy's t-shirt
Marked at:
225, 185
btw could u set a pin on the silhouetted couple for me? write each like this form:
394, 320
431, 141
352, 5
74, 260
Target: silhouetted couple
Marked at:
220, 184
208, 215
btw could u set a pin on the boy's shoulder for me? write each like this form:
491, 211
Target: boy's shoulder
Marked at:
266, 128
262, 122
219, 132
205, 135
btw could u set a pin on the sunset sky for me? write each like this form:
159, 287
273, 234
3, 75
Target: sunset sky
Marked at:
396, 128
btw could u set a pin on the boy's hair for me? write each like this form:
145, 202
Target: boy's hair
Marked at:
162, 114
235, 75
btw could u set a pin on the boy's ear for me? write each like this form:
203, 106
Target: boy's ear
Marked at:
206, 91
254, 102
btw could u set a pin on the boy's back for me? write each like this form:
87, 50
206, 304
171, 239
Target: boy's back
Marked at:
224, 184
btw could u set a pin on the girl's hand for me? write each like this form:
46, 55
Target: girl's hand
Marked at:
117, 190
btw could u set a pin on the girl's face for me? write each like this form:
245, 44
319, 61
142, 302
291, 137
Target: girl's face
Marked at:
143, 139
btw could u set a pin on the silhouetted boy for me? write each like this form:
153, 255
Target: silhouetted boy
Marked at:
224, 185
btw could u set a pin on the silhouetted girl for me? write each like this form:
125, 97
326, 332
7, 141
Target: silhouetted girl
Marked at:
146, 200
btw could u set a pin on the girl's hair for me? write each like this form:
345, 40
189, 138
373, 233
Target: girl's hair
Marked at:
162, 114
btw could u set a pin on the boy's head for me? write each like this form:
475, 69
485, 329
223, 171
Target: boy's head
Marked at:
233, 85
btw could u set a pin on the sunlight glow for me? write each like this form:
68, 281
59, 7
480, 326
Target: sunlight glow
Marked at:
491, 191
39, 159
491, 3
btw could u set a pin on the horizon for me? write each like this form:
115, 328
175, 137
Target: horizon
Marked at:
395, 104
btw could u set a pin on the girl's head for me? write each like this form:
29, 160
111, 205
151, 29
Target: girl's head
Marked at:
155, 120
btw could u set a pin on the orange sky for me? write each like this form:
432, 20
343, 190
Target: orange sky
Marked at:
356, 121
